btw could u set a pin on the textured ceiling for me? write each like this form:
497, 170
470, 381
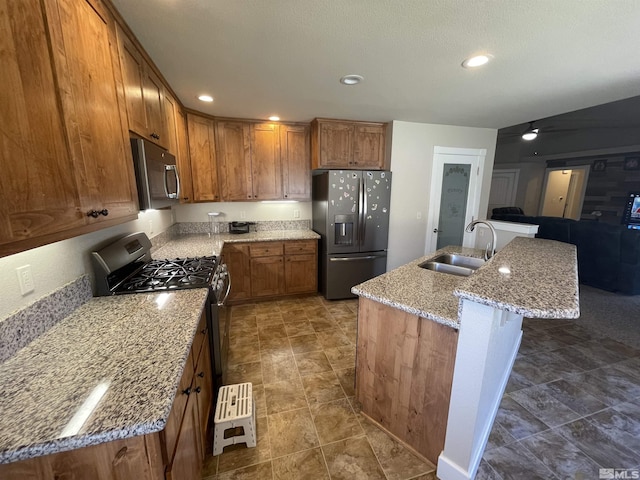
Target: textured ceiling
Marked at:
285, 57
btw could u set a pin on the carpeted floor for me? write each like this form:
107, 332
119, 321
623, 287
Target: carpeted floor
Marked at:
610, 314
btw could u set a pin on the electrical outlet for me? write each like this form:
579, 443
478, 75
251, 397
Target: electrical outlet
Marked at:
25, 279
150, 227
296, 213
418, 215
243, 214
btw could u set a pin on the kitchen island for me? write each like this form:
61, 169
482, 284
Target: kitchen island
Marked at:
435, 351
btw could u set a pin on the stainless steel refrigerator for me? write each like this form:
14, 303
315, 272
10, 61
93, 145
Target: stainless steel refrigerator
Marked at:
351, 214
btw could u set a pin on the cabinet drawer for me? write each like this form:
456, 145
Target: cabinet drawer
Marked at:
267, 249
300, 247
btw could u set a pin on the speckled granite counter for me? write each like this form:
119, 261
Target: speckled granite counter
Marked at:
532, 277
202, 244
134, 345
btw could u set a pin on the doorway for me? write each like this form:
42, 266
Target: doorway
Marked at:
563, 192
455, 196
504, 187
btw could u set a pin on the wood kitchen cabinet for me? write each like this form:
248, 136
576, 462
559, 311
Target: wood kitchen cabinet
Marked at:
271, 269
295, 156
177, 144
249, 160
144, 93
350, 145
267, 269
202, 153
65, 147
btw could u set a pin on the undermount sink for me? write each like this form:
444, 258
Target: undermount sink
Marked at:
453, 264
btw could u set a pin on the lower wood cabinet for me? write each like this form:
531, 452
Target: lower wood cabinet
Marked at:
271, 269
176, 453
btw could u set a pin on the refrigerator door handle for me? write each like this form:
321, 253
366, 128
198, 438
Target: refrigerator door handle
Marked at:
362, 211
353, 259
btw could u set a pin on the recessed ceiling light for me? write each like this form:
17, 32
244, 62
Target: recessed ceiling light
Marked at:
351, 79
205, 98
274, 118
476, 61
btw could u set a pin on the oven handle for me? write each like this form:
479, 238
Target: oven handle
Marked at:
222, 302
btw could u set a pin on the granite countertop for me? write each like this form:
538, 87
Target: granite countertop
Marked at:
532, 277
197, 245
134, 347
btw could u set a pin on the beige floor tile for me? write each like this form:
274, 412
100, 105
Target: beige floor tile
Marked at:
322, 324
238, 456
284, 396
308, 464
305, 343
278, 366
291, 432
351, 334
339, 309
275, 344
210, 465
243, 324
352, 459
312, 362
260, 399
294, 315
242, 310
335, 421
273, 330
346, 321
273, 318
318, 313
243, 353
245, 372
333, 338
302, 327
397, 462
347, 378
262, 471
341, 357
322, 387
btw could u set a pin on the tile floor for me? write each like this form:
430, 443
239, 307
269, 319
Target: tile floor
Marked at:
299, 354
572, 405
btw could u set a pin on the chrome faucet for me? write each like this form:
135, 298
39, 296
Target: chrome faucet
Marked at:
491, 246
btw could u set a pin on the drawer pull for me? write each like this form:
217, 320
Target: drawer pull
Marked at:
201, 374
198, 389
187, 391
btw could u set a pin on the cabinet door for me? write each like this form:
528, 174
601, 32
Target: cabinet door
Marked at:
83, 39
266, 170
369, 151
237, 259
132, 65
38, 194
184, 163
296, 162
301, 273
204, 390
336, 145
267, 276
234, 157
174, 123
203, 159
187, 462
153, 103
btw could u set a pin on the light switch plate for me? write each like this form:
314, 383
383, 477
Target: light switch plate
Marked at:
25, 279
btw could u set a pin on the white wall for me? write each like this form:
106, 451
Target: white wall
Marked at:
411, 162
58, 263
253, 211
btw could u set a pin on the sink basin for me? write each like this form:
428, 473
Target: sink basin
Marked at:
453, 264
459, 260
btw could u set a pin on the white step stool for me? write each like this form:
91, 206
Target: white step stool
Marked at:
234, 408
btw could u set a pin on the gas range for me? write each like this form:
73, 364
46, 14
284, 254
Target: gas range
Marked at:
126, 266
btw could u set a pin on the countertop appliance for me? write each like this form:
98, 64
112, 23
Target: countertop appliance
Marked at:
156, 175
351, 214
126, 267
240, 227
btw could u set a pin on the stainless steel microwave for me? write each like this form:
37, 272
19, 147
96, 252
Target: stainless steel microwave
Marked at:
156, 175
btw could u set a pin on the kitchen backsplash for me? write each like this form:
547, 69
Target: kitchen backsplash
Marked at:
261, 226
25, 325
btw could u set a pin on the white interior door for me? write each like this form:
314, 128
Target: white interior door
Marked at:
455, 196
504, 187
555, 193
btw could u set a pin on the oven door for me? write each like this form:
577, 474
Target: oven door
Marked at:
219, 313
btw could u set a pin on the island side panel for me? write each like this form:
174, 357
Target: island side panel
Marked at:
404, 372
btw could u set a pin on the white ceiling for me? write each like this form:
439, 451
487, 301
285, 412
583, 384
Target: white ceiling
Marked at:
285, 57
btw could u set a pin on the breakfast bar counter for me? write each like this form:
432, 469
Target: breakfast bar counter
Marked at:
435, 350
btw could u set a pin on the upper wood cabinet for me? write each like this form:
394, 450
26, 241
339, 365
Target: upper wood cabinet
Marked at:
263, 161
348, 145
176, 127
144, 93
64, 144
295, 155
202, 153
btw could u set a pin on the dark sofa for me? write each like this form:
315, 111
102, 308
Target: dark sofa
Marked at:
608, 255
